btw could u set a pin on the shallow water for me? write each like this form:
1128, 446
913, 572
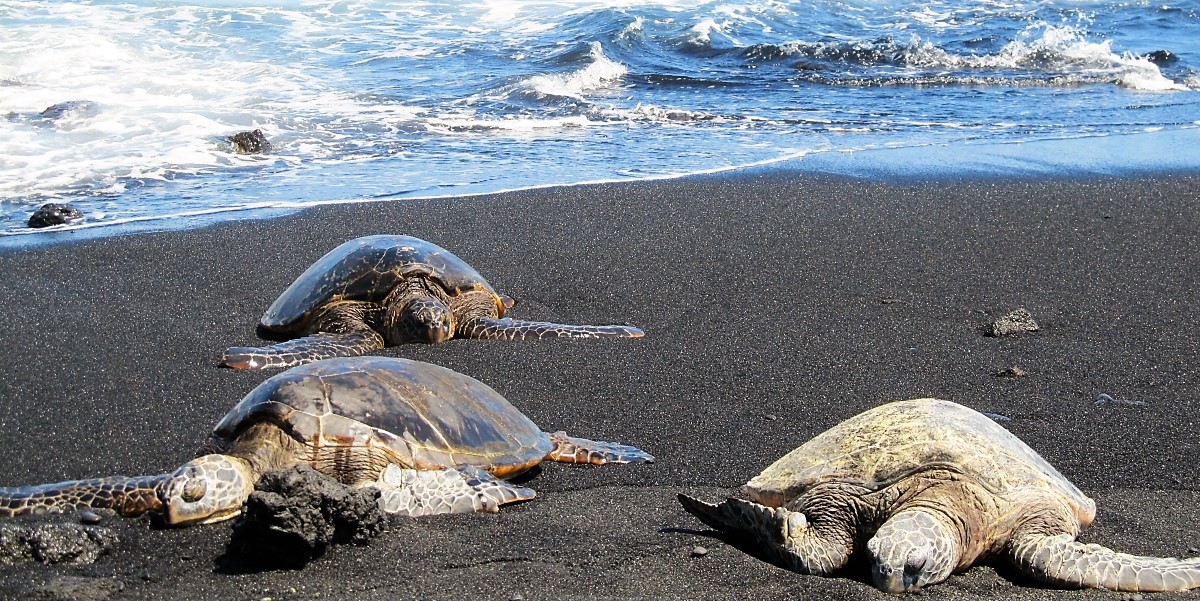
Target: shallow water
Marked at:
387, 100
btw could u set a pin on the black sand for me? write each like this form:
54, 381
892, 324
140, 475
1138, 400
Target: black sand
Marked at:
775, 305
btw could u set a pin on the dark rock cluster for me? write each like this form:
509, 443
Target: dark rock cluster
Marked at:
294, 515
54, 541
250, 142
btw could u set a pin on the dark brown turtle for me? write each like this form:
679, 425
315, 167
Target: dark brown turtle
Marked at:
431, 439
926, 488
379, 291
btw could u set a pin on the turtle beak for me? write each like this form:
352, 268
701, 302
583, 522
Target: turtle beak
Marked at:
439, 332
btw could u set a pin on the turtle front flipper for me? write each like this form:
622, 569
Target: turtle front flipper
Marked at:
1061, 560
568, 449
427, 492
784, 536
299, 351
127, 496
486, 328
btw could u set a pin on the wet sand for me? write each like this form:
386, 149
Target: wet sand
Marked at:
775, 305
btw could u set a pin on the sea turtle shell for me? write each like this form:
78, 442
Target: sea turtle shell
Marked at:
421, 416
883, 445
367, 269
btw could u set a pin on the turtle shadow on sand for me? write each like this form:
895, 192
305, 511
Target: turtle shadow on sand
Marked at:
295, 515
379, 291
857, 569
750, 545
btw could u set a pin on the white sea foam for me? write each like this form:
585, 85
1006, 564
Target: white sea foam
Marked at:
511, 125
158, 109
166, 94
599, 74
704, 32
1066, 48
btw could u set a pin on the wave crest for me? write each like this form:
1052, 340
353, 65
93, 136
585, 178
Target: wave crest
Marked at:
1042, 54
602, 72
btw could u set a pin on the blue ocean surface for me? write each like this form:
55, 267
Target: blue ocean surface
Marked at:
124, 109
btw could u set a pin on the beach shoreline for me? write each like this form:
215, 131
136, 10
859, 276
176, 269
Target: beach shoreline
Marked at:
1158, 153
776, 303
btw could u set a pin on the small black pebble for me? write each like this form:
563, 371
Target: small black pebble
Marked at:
516, 597
699, 551
770, 417
1010, 372
89, 517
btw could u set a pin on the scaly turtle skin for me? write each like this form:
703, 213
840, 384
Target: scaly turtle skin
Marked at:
431, 439
379, 291
927, 488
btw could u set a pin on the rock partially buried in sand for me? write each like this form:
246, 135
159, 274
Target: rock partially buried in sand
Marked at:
67, 587
1015, 322
294, 515
1010, 372
250, 142
54, 213
54, 542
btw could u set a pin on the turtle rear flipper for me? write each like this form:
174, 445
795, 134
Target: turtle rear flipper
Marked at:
127, 496
515, 329
1063, 561
568, 449
427, 492
318, 346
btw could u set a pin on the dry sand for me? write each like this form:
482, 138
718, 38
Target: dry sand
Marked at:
775, 305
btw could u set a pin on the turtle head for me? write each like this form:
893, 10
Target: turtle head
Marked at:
427, 320
910, 551
207, 489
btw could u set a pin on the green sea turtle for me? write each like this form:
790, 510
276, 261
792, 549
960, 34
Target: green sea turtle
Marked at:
927, 488
379, 291
431, 439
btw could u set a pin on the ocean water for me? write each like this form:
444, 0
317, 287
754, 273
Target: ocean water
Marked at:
123, 109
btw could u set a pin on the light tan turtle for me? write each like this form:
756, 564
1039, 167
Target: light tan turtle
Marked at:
378, 291
926, 488
431, 439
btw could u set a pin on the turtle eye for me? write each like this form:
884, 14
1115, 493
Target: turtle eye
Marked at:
194, 490
797, 523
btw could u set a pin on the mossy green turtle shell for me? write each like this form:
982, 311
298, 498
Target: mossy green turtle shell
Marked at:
423, 415
367, 269
887, 443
